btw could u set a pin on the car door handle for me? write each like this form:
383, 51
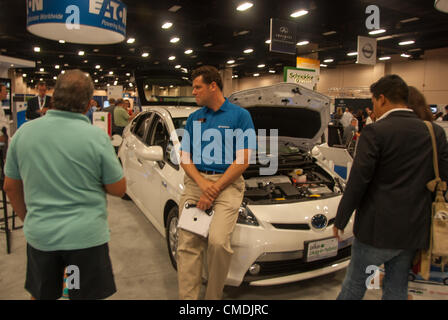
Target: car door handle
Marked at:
164, 184
139, 161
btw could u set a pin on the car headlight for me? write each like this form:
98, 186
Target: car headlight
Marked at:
245, 216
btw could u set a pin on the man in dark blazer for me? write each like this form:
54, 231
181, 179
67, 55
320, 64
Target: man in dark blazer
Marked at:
387, 189
38, 105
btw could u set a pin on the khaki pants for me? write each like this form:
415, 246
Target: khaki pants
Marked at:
191, 247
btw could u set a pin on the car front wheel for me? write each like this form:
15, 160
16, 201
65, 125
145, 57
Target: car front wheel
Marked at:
172, 235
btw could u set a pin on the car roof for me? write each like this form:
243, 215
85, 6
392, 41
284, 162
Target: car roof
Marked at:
175, 112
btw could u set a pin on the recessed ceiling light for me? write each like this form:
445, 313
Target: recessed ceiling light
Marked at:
244, 6
41, 79
115, 82
96, 50
57, 66
61, 56
323, 65
96, 80
145, 54
189, 51
63, 71
410, 20
111, 72
235, 76
230, 61
128, 74
271, 71
268, 41
172, 58
167, 25
97, 66
261, 66
54, 78
405, 43
248, 51
413, 50
178, 66
303, 43
256, 74
65, 64
61, 41
354, 53
384, 58
299, 13
378, 31
41, 69
24, 75
174, 8
242, 33
36, 49
328, 60
328, 33
404, 55
131, 40
208, 44
85, 61
174, 40
81, 53
108, 84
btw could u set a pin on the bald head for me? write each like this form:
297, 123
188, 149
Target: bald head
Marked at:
73, 91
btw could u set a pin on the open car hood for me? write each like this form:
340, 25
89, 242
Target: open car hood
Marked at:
300, 115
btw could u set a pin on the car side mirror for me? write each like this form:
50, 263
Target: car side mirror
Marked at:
153, 153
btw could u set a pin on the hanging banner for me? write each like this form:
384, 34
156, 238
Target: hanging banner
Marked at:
283, 36
115, 92
86, 22
366, 50
306, 63
305, 77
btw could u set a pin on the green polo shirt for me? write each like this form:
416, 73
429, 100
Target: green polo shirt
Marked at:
121, 117
64, 163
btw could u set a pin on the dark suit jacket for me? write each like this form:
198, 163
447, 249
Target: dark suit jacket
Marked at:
387, 183
33, 105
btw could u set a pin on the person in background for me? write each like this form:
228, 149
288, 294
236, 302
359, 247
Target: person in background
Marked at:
4, 121
417, 102
38, 105
93, 107
438, 116
60, 193
346, 117
361, 120
387, 191
370, 116
127, 106
445, 117
350, 132
121, 117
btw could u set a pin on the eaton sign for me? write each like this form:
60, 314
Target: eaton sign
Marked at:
85, 21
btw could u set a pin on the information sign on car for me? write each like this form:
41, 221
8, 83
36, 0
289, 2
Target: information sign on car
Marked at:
321, 249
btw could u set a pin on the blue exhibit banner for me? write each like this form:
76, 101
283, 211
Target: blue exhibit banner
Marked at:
73, 15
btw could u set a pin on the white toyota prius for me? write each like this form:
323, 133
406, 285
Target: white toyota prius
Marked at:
284, 228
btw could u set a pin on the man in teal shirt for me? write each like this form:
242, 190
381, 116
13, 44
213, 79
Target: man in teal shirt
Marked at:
58, 171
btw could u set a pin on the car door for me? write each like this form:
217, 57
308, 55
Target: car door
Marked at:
161, 177
133, 169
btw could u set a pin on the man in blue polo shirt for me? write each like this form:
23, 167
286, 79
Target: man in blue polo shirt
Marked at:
58, 171
216, 149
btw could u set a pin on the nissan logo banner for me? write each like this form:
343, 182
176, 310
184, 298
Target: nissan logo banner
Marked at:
283, 36
366, 50
87, 21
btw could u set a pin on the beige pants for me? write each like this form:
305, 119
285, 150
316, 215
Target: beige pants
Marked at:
191, 247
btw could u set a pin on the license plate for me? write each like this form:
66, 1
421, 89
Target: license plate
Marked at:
321, 249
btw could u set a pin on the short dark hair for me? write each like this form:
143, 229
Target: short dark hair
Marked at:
209, 74
392, 87
73, 91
